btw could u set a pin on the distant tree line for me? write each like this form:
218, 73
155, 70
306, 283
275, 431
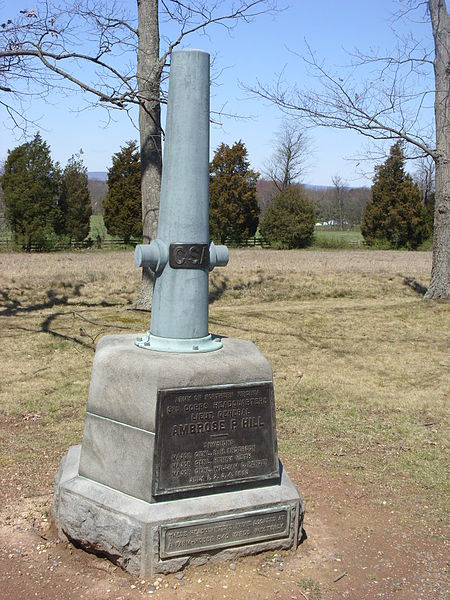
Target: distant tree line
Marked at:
397, 212
340, 208
44, 203
97, 193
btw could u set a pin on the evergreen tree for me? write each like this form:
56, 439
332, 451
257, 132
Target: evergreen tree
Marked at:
122, 206
31, 192
290, 219
395, 215
232, 195
75, 200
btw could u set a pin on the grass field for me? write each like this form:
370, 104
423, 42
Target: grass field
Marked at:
330, 238
361, 362
98, 228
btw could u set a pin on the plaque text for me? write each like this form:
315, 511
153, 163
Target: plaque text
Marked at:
214, 436
224, 532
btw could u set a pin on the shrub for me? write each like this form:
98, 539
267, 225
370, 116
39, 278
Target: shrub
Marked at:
290, 219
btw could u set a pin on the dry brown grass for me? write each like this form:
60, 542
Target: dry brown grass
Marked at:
360, 359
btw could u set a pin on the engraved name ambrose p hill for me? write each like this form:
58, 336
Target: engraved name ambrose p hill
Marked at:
214, 436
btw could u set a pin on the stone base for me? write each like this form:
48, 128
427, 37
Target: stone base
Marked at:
178, 463
163, 537
121, 425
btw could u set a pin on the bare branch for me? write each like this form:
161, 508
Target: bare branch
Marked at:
289, 162
49, 39
403, 95
197, 16
377, 109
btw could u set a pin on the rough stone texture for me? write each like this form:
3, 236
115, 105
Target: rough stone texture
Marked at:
118, 438
127, 530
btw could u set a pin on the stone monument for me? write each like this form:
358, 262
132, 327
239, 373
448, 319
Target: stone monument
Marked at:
178, 463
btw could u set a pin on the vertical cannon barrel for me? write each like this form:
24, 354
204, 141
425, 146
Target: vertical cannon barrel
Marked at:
182, 254
179, 309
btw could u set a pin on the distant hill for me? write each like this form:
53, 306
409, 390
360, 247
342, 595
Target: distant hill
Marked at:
98, 175
311, 186
97, 190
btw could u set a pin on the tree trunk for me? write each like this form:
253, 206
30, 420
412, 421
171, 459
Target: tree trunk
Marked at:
149, 81
341, 211
440, 271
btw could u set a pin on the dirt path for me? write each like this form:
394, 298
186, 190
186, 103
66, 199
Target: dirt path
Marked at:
358, 546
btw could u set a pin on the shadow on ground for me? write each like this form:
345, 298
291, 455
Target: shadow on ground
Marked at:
416, 286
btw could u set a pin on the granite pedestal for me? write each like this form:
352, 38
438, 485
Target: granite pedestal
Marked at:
178, 463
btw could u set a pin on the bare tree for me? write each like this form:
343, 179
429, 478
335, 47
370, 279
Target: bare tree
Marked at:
79, 45
440, 272
149, 74
339, 197
353, 203
265, 192
391, 104
289, 161
424, 177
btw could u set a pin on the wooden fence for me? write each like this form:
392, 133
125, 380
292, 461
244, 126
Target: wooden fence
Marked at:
110, 244
253, 241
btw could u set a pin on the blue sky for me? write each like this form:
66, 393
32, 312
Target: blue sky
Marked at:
255, 51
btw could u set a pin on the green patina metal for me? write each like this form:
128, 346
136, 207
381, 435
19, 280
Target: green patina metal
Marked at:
182, 255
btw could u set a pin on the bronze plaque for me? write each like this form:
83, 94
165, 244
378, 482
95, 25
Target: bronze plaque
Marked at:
189, 256
224, 532
213, 437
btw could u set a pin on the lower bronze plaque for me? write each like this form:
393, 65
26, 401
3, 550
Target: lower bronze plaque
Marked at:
213, 437
224, 532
